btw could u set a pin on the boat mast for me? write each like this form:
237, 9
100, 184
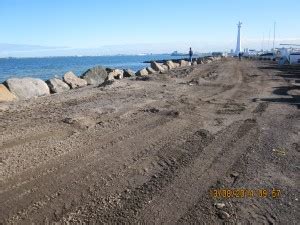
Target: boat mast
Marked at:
269, 39
274, 37
263, 42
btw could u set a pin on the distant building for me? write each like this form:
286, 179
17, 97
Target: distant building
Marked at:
250, 52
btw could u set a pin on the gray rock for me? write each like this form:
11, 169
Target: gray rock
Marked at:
166, 68
194, 63
73, 81
223, 215
128, 73
220, 205
176, 65
25, 88
57, 85
157, 67
95, 75
150, 70
170, 65
114, 74
110, 77
142, 72
6, 95
183, 63
199, 61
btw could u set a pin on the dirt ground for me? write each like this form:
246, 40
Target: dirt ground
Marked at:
174, 148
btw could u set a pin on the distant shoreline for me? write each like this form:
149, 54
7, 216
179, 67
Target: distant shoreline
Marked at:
80, 56
115, 55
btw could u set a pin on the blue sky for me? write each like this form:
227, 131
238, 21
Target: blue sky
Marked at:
66, 27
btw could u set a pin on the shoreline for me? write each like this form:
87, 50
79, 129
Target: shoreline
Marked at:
46, 68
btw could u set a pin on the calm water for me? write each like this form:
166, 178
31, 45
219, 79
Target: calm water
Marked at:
46, 68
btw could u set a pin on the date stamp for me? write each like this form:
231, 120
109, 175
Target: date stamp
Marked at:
245, 193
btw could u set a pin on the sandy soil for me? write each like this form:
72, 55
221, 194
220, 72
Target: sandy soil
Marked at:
157, 150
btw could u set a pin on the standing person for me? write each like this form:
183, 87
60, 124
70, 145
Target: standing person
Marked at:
240, 56
191, 55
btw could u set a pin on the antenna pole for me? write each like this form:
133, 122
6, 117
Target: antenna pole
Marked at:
263, 42
274, 36
269, 40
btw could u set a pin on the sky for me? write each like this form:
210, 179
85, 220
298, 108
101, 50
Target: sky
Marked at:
101, 27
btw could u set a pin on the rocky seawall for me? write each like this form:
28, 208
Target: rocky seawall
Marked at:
14, 89
205, 58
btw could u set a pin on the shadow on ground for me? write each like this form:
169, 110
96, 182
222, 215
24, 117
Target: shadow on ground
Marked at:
291, 73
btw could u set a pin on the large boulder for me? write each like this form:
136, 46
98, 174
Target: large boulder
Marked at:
200, 61
157, 67
95, 75
114, 74
110, 77
73, 81
25, 88
150, 70
142, 72
176, 65
194, 63
183, 63
6, 95
57, 85
166, 68
170, 65
128, 73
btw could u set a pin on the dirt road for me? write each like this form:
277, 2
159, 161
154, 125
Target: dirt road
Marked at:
157, 150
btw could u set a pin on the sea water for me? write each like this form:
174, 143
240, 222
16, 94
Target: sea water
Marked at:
48, 67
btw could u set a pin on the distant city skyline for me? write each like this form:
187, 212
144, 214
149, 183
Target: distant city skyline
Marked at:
60, 28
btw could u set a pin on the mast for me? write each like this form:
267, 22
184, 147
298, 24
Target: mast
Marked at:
263, 42
274, 37
269, 39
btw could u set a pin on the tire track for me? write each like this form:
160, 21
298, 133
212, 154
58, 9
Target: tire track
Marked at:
205, 170
132, 204
89, 165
